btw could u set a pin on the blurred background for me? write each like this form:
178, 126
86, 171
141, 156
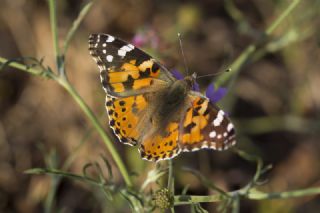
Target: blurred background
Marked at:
274, 101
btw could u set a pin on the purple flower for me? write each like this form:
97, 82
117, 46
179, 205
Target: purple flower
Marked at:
178, 75
138, 40
215, 96
147, 38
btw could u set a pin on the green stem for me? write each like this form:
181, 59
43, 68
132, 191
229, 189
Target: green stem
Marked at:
283, 195
75, 25
170, 176
253, 195
248, 52
171, 180
99, 128
65, 84
236, 65
23, 67
189, 199
52, 162
60, 173
54, 28
50, 199
283, 15
55, 37
236, 204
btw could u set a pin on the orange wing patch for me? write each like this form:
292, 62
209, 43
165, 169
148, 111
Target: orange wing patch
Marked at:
124, 116
196, 119
132, 76
157, 147
150, 68
141, 83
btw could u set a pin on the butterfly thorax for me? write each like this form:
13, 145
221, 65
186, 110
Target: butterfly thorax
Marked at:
170, 103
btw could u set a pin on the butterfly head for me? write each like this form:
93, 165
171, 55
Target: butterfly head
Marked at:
191, 82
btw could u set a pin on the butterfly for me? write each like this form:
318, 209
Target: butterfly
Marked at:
150, 108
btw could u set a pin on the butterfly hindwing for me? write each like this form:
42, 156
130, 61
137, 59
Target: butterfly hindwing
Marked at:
202, 126
163, 146
124, 69
205, 126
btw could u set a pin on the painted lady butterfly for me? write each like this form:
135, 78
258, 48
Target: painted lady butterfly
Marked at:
149, 107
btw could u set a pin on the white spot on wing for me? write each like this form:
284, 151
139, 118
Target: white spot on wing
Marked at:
230, 127
195, 149
213, 146
122, 53
218, 120
212, 134
104, 51
126, 48
109, 58
204, 146
110, 39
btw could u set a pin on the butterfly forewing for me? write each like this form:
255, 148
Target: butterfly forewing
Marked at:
124, 69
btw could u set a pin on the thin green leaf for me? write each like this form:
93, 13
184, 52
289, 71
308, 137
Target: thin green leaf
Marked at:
64, 174
153, 176
108, 165
198, 208
100, 172
75, 25
185, 189
107, 194
22, 64
35, 171
85, 168
135, 202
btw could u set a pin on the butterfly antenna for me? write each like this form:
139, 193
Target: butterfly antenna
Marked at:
183, 56
213, 74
